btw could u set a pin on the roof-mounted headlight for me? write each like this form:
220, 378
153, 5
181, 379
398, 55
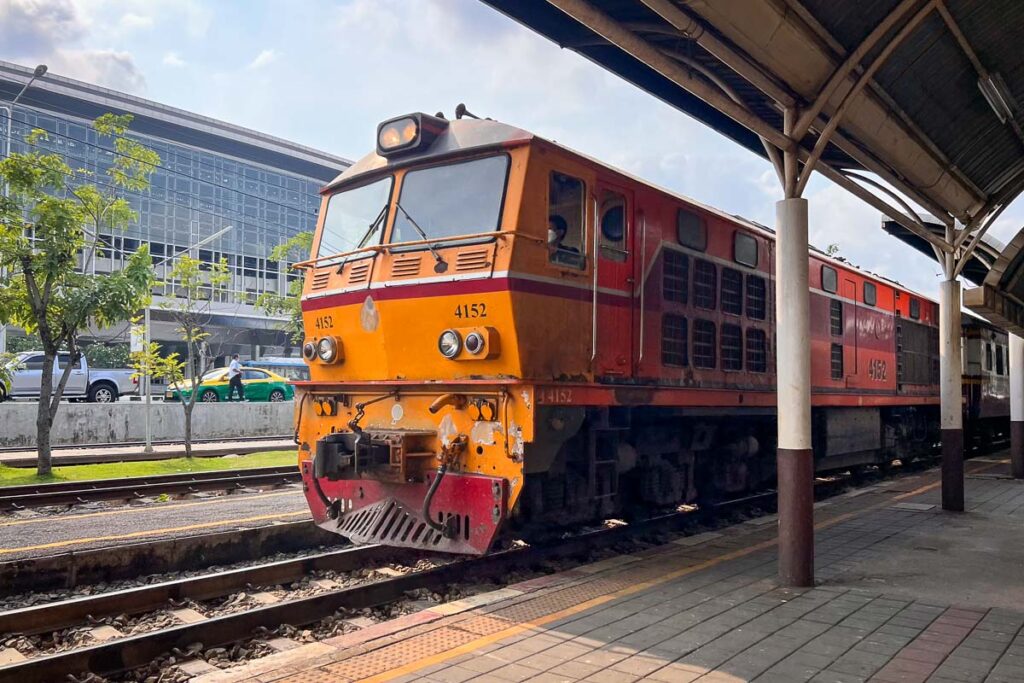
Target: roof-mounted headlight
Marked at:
408, 133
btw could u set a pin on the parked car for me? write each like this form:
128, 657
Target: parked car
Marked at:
260, 385
92, 384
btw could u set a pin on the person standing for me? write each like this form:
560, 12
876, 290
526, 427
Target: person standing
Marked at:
235, 379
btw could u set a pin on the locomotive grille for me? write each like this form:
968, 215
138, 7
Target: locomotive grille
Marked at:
359, 272
320, 279
405, 266
392, 523
472, 259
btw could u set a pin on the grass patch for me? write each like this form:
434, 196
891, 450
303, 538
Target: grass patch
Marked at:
18, 476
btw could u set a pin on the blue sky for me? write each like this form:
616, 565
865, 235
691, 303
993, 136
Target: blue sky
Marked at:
324, 73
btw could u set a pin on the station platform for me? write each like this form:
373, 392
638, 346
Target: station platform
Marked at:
905, 593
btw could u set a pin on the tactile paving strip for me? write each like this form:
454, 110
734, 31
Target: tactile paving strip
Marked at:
402, 652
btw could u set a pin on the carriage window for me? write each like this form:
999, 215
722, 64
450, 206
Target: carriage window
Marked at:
744, 249
705, 282
757, 299
732, 292
829, 279
757, 351
988, 356
566, 196
703, 344
732, 347
835, 309
613, 227
837, 361
675, 277
870, 294
690, 230
915, 309
673, 340
1000, 370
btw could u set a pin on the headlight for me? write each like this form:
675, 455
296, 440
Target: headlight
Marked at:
474, 343
327, 349
449, 343
309, 350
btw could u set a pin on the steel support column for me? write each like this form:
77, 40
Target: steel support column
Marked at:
795, 457
1016, 407
951, 394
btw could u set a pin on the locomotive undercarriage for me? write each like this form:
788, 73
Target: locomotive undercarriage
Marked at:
626, 460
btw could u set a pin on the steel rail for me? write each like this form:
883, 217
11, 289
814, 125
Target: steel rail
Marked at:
29, 496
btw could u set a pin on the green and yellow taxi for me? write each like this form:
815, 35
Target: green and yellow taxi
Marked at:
260, 385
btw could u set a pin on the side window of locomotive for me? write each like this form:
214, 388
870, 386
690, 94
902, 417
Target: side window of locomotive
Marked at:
829, 279
566, 217
705, 284
675, 277
988, 356
691, 231
915, 308
744, 249
613, 227
999, 360
870, 294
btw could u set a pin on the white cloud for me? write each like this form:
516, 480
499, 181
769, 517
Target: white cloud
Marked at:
173, 59
263, 59
108, 68
133, 22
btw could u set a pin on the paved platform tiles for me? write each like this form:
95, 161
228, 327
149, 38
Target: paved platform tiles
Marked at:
905, 593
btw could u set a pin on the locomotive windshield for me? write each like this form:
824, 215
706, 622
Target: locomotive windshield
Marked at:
461, 198
355, 217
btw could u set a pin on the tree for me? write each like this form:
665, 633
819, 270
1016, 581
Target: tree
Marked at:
51, 214
832, 249
193, 285
288, 304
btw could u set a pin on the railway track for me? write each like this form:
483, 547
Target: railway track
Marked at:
65, 493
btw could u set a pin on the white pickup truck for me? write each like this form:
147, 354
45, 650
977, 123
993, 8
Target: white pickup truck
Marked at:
98, 386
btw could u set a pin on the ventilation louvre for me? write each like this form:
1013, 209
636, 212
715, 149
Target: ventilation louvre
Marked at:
359, 272
405, 266
472, 259
320, 280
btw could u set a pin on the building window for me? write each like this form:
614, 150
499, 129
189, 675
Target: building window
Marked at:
757, 351
829, 279
835, 309
675, 277
690, 230
732, 291
703, 344
565, 217
744, 249
673, 340
705, 281
915, 309
757, 299
732, 347
870, 294
837, 361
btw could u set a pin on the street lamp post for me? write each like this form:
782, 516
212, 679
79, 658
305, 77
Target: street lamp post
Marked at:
146, 324
38, 73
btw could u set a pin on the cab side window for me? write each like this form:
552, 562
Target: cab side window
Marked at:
566, 212
613, 227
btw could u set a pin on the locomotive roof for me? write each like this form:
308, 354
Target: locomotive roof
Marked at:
467, 135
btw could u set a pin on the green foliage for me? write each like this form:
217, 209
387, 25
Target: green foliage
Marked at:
289, 304
106, 355
52, 214
30, 342
8, 364
832, 249
150, 362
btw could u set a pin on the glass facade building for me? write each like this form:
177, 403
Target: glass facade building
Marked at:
212, 175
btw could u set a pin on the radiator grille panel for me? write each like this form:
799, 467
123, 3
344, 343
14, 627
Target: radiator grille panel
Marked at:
472, 259
320, 280
405, 266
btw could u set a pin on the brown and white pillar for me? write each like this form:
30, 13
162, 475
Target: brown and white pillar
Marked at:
951, 395
795, 457
1016, 407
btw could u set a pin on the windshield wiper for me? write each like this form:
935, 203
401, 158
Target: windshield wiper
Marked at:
441, 265
373, 227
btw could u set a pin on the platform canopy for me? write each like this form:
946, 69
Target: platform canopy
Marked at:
891, 99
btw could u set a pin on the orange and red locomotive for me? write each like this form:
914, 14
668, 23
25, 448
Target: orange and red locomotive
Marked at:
501, 328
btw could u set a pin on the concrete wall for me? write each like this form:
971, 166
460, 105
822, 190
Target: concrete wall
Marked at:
93, 423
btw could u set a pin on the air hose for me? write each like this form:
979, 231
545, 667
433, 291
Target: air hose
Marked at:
436, 526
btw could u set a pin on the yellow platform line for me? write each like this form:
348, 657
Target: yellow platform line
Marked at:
152, 532
50, 519
635, 588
